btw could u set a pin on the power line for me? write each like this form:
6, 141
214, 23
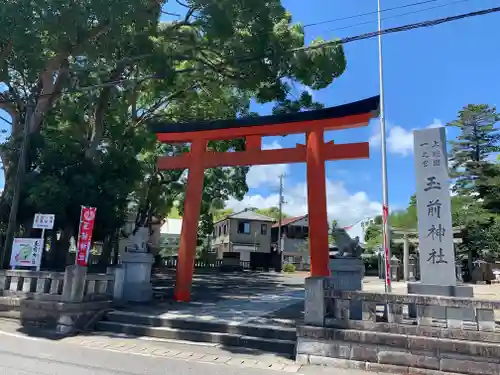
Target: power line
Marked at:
5, 120
327, 44
398, 15
368, 13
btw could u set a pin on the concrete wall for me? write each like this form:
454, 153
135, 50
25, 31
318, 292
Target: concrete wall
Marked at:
388, 352
397, 342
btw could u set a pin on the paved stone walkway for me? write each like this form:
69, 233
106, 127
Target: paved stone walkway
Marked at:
198, 352
236, 298
190, 352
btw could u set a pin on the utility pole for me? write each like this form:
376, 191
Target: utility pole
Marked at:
280, 208
21, 171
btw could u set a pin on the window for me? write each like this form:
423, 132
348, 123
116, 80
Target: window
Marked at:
244, 227
263, 229
225, 228
220, 230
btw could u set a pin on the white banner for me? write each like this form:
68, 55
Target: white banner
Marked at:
26, 252
435, 231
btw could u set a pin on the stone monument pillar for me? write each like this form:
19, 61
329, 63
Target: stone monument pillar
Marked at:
347, 269
437, 253
136, 263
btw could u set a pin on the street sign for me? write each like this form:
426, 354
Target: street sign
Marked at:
44, 221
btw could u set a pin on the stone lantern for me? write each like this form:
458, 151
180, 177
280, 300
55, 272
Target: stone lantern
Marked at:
395, 265
412, 268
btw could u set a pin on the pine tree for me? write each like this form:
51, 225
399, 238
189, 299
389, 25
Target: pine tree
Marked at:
488, 185
478, 140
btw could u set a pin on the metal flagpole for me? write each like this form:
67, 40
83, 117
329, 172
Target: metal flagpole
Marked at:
385, 194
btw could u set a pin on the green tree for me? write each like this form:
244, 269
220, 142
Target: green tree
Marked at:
202, 65
273, 212
488, 187
478, 139
221, 214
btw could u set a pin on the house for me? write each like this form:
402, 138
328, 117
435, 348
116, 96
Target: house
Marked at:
244, 232
294, 244
170, 234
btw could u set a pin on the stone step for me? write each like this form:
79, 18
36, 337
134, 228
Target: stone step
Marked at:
253, 330
284, 347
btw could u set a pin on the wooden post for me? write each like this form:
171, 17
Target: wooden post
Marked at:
316, 201
192, 205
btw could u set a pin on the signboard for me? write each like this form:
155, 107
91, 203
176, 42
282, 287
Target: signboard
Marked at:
435, 231
44, 221
26, 252
87, 218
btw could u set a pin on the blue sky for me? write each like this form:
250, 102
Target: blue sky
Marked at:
429, 75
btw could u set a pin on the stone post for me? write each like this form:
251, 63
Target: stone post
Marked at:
347, 275
412, 268
315, 305
406, 257
118, 282
73, 291
74, 284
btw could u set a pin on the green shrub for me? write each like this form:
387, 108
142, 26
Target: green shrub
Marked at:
290, 268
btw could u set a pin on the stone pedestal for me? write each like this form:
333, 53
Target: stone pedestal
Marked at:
136, 277
314, 303
346, 274
438, 312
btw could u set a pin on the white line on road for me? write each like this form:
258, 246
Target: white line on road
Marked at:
20, 336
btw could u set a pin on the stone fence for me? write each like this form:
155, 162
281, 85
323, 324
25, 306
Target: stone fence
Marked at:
375, 331
60, 301
49, 285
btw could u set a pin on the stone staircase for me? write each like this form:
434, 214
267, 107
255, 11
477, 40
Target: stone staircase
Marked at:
266, 338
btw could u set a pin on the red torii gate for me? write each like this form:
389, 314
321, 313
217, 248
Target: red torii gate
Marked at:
314, 153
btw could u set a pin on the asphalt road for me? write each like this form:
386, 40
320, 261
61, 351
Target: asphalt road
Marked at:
25, 356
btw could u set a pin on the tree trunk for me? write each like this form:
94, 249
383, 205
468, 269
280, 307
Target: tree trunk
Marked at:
470, 264
57, 258
107, 248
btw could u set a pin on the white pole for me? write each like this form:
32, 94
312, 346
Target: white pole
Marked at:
385, 193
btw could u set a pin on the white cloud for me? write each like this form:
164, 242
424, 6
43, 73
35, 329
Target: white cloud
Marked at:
266, 175
343, 206
399, 139
300, 88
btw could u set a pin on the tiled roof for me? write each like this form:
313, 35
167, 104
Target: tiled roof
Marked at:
250, 215
289, 220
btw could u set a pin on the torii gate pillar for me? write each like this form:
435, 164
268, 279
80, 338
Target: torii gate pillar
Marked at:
316, 203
